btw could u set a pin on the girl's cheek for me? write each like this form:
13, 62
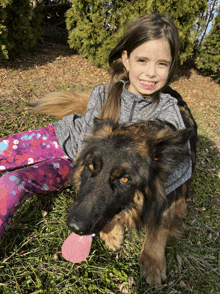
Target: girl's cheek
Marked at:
164, 73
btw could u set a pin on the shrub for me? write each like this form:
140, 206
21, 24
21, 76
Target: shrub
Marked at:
20, 27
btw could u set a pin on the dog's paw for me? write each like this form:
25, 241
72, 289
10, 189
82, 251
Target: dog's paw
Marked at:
115, 238
154, 269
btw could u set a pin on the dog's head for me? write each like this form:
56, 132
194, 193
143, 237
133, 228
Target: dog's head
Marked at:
118, 164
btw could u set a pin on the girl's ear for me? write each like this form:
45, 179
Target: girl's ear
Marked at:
125, 60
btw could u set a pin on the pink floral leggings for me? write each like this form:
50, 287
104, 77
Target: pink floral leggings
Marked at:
48, 169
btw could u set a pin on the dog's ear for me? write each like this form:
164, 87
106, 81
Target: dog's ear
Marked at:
174, 139
103, 124
168, 151
98, 122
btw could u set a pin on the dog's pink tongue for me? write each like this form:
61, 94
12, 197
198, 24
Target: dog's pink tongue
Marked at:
76, 248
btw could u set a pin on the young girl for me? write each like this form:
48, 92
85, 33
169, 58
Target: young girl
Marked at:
142, 65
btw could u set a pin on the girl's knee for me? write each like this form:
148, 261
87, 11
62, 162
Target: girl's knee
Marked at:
11, 190
9, 181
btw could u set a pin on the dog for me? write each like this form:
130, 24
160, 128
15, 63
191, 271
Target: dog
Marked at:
120, 175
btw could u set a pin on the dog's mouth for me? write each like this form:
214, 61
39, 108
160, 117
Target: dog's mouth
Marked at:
77, 246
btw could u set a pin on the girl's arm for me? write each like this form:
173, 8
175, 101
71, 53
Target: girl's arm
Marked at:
187, 118
176, 112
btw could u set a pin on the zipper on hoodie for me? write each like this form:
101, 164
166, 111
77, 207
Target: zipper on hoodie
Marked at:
132, 111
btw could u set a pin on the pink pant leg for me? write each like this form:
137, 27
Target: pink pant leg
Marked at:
16, 186
29, 147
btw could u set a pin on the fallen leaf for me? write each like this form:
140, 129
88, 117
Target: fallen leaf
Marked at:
44, 213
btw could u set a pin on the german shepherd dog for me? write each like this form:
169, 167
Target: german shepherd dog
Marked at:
120, 175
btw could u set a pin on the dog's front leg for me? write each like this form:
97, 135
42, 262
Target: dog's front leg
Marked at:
153, 255
113, 234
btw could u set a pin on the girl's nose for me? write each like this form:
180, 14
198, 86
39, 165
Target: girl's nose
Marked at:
150, 70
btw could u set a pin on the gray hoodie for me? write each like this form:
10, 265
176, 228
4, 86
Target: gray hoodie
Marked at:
72, 129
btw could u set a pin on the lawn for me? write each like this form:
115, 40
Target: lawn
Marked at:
30, 250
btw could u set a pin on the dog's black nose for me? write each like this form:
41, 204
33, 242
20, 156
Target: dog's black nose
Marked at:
77, 227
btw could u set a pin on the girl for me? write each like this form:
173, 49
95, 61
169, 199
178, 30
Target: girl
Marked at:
142, 65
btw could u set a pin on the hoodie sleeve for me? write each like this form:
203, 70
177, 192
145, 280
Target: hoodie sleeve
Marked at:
70, 131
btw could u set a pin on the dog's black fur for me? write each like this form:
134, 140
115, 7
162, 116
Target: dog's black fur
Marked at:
120, 174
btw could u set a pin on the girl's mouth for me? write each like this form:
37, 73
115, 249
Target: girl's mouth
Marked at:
148, 85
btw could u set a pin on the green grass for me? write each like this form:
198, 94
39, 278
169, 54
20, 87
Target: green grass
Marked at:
30, 250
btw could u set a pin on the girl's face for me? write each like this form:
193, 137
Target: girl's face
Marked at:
148, 66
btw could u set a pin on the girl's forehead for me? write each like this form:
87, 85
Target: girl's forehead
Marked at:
157, 48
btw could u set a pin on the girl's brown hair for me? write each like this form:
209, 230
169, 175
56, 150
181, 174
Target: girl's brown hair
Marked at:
153, 26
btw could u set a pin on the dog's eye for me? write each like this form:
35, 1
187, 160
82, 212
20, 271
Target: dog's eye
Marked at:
91, 166
123, 180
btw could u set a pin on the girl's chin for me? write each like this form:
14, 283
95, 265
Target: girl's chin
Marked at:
145, 92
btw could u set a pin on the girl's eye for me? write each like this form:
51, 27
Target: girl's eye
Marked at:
163, 64
91, 166
123, 180
141, 60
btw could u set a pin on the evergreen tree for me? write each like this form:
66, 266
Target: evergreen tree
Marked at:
185, 14
95, 25
208, 59
3, 29
20, 28
205, 20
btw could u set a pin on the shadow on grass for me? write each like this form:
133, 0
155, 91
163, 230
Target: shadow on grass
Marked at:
206, 181
41, 54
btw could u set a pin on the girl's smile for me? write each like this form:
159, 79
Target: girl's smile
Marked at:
148, 85
148, 66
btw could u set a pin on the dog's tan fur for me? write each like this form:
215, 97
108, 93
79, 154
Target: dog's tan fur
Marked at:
60, 104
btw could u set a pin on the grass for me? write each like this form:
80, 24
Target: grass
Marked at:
30, 250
